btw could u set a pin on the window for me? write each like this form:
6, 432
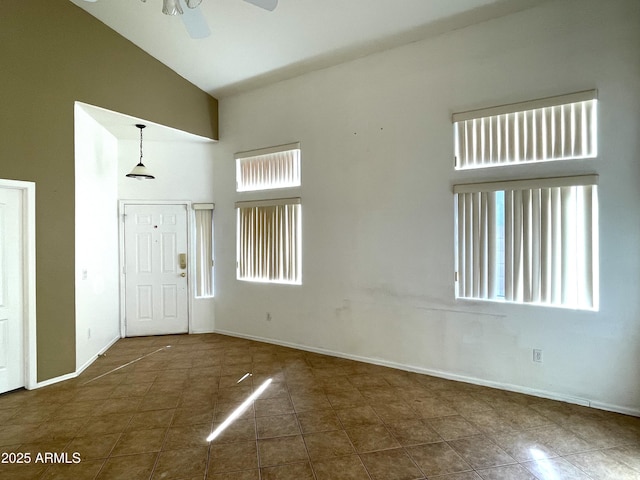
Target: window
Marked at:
204, 249
269, 241
277, 167
269, 230
556, 128
529, 241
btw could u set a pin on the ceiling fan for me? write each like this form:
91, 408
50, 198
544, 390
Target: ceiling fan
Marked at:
192, 17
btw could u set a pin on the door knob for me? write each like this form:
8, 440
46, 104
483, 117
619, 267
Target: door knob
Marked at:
183, 274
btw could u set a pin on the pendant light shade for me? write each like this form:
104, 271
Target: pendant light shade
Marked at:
140, 171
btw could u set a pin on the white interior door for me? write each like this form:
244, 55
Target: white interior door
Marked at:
11, 290
156, 296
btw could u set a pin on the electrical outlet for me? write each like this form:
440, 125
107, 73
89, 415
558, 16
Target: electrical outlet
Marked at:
537, 355
268, 317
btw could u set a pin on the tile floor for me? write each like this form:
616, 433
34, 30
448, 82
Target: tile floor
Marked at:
321, 418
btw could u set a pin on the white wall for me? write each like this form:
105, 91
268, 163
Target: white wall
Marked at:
184, 172
97, 294
378, 225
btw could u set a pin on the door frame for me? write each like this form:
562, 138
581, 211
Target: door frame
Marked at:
28, 266
122, 204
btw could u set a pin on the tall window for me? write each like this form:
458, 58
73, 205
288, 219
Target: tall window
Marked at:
528, 241
531, 241
204, 249
269, 229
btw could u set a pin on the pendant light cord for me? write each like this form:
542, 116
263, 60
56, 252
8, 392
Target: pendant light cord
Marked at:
140, 145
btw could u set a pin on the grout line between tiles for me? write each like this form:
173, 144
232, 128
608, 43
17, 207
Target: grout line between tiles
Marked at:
125, 365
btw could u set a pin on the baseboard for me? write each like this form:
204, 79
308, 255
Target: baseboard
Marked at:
634, 412
72, 375
200, 332
53, 380
442, 374
95, 357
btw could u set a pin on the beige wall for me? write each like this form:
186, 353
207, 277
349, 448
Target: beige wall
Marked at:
52, 53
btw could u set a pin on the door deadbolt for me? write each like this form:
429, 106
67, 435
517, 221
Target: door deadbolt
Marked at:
182, 259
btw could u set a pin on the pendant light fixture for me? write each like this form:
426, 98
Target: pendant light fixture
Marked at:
140, 171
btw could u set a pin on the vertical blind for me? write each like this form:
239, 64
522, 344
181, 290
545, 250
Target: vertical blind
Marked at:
277, 167
204, 250
529, 241
556, 128
269, 241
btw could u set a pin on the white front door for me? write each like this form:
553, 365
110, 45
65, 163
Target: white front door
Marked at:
155, 250
11, 290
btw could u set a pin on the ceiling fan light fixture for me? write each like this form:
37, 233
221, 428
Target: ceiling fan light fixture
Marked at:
171, 7
140, 172
193, 3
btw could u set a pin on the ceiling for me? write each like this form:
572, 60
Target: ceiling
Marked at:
250, 47
123, 127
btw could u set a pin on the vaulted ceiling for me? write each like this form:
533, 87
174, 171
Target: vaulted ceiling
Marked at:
249, 46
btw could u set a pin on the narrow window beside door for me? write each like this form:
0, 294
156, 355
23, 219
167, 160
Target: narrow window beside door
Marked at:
204, 250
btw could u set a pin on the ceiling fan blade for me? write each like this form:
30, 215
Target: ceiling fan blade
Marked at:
195, 23
266, 4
